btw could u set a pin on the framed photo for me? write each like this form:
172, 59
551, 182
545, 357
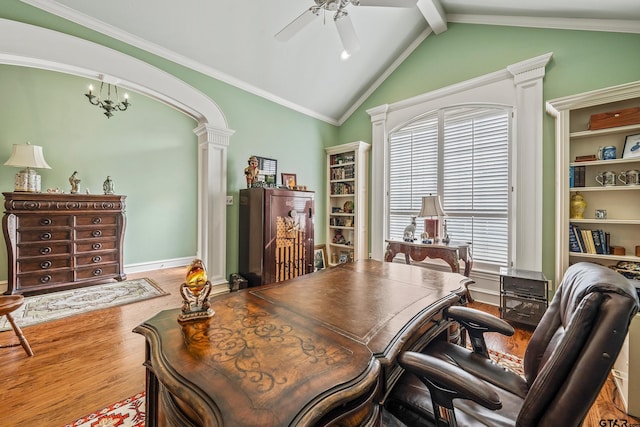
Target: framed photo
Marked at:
288, 180
631, 146
319, 257
268, 170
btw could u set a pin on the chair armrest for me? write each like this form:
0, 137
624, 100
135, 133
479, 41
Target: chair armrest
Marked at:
447, 382
476, 323
476, 319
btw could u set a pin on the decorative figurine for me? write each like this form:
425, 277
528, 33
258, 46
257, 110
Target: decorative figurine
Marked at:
410, 231
446, 239
75, 182
195, 293
107, 186
251, 171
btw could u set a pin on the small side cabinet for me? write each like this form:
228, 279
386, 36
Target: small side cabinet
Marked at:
523, 295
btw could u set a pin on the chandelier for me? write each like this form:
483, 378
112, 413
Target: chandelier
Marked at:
109, 105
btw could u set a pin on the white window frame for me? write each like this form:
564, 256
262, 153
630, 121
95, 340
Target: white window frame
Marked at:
518, 86
439, 117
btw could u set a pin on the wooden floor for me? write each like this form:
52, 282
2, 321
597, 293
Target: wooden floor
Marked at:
86, 362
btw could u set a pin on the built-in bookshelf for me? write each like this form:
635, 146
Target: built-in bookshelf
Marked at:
612, 212
347, 171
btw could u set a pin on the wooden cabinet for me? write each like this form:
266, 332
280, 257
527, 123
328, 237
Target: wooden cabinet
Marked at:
57, 241
347, 172
276, 235
523, 295
621, 202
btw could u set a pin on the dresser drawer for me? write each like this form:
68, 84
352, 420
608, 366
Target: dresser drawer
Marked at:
40, 249
94, 272
95, 233
91, 259
95, 245
44, 278
43, 263
43, 235
522, 286
96, 219
45, 221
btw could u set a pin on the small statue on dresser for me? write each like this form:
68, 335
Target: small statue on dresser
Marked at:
75, 182
251, 171
410, 231
107, 186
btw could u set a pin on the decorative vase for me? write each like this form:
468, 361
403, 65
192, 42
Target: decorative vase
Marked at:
577, 206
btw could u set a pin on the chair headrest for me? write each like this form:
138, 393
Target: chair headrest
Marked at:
584, 278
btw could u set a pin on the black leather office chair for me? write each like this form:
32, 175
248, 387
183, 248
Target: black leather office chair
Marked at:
566, 363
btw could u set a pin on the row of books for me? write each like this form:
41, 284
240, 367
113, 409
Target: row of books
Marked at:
588, 241
576, 176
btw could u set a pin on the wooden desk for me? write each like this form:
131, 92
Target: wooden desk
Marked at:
451, 253
314, 350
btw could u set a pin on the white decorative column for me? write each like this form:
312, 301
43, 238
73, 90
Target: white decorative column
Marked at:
213, 143
378, 179
527, 239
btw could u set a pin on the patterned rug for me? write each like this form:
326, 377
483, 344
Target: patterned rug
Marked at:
126, 413
56, 305
130, 412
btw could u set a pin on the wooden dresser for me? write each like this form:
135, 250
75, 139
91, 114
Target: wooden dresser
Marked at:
57, 241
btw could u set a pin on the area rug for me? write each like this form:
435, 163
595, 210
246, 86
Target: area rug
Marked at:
126, 413
56, 305
130, 412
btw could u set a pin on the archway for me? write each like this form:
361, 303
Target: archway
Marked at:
31, 46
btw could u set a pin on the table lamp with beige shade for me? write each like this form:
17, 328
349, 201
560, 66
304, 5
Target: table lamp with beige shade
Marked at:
431, 207
29, 157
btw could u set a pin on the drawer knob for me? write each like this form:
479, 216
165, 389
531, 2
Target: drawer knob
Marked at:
45, 221
45, 279
96, 233
97, 220
46, 250
97, 272
97, 258
45, 264
45, 236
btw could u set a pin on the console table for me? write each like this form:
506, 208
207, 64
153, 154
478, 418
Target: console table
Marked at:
314, 350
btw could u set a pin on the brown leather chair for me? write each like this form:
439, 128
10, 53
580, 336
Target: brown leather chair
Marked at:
8, 304
566, 363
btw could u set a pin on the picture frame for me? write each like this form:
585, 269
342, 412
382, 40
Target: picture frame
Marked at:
288, 180
268, 170
319, 257
631, 146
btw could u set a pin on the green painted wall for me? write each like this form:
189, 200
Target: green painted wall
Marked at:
150, 151
582, 61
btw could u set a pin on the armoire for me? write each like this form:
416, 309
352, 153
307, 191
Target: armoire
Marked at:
276, 234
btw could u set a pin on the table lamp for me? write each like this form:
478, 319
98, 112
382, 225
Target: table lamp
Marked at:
27, 156
431, 206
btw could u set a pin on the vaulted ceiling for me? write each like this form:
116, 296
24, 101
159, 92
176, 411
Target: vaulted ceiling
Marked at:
233, 40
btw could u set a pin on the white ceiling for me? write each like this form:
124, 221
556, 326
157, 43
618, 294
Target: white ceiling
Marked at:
233, 40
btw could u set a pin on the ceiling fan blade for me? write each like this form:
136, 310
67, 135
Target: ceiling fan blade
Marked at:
296, 25
347, 33
388, 3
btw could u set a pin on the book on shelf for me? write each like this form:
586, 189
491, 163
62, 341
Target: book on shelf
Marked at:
588, 241
579, 173
571, 176
596, 242
574, 246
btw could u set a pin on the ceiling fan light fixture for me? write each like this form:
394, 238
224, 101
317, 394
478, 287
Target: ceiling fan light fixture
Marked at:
345, 55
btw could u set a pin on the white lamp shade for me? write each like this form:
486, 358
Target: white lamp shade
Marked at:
431, 206
27, 156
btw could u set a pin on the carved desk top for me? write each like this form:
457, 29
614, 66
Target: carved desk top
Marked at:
296, 352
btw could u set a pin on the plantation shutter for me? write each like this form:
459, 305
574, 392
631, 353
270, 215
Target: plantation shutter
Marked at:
472, 176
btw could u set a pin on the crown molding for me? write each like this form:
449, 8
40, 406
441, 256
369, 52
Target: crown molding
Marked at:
608, 25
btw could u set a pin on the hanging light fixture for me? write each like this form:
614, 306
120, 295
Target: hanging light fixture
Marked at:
109, 105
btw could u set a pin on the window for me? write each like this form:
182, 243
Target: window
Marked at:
461, 153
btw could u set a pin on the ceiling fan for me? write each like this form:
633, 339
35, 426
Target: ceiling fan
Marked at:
341, 18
